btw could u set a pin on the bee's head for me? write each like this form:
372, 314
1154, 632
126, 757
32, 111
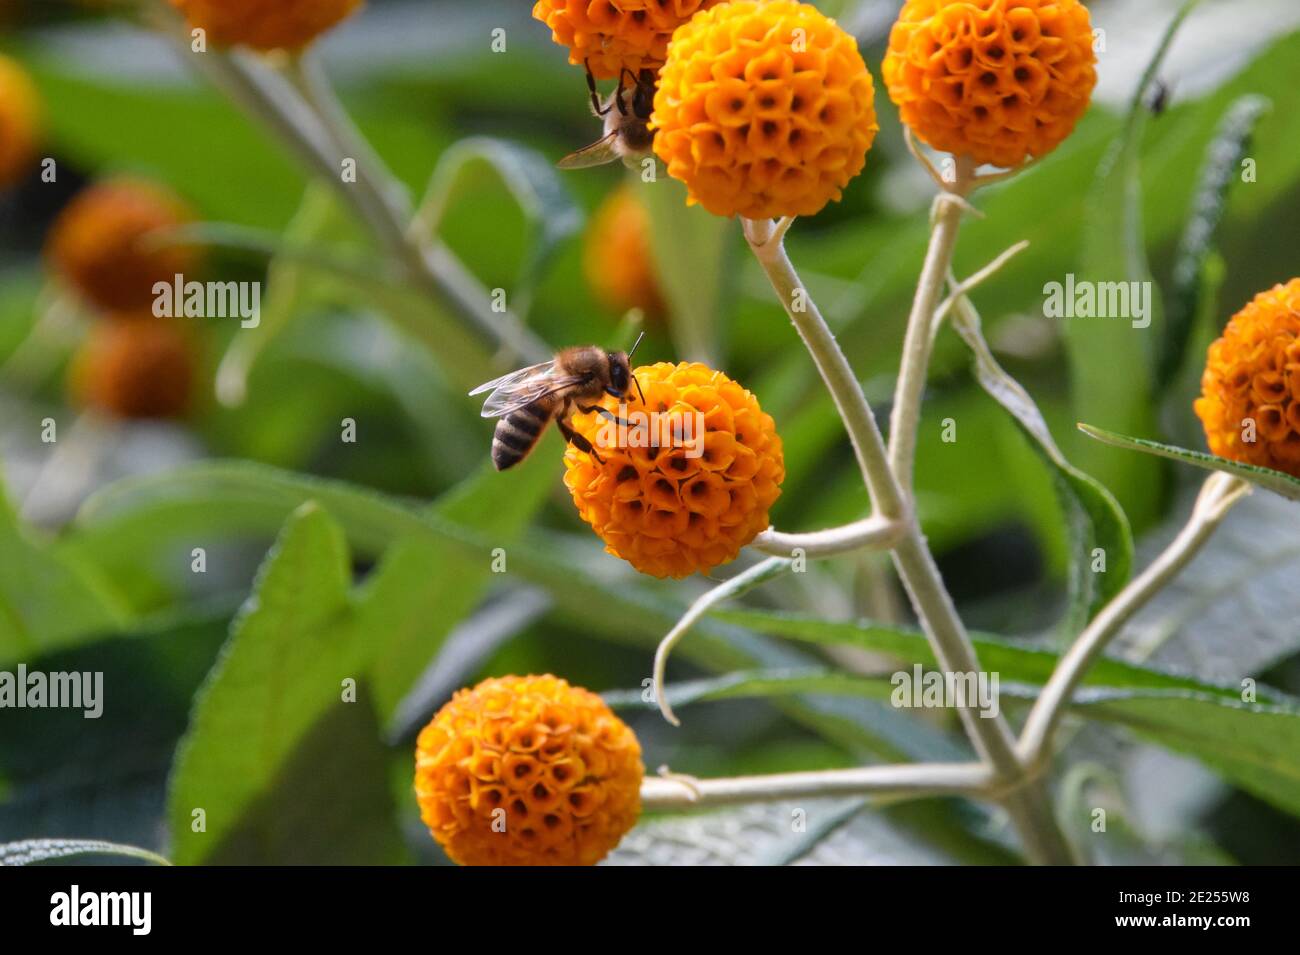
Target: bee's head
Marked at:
620, 374
620, 371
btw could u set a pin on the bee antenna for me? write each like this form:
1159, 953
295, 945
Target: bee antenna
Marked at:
638, 389
635, 345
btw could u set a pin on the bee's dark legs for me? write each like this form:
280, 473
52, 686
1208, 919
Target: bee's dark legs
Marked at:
618, 95
578, 441
606, 414
595, 95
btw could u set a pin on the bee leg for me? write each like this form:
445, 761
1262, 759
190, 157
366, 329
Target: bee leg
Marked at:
595, 95
578, 441
618, 95
606, 414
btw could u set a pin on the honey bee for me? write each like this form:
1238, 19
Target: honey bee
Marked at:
627, 136
528, 400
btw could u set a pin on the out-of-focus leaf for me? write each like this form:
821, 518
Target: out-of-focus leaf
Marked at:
37, 851
816, 831
1096, 520
1222, 168
282, 669
124, 525
1276, 481
47, 600
1111, 361
550, 214
1256, 746
1013, 662
690, 251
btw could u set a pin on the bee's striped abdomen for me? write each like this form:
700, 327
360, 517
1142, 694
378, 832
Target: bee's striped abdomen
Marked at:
517, 433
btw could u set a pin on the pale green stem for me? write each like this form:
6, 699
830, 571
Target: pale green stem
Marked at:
915, 781
1027, 802
1218, 495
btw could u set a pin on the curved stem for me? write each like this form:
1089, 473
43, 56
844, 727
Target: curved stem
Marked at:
905, 419
1027, 802
1218, 495
766, 241
872, 533
916, 781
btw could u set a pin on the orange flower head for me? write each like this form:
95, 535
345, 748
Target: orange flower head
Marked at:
135, 366
20, 122
528, 771
610, 36
99, 243
685, 479
1250, 392
265, 24
996, 80
764, 109
618, 259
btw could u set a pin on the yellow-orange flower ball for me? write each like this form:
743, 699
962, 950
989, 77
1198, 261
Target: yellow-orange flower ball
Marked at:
764, 109
686, 480
618, 259
1250, 403
265, 24
98, 243
19, 122
135, 366
612, 35
999, 81
528, 771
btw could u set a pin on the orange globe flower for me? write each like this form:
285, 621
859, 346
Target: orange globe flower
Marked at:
528, 771
610, 36
618, 259
1250, 402
997, 80
764, 109
685, 479
98, 243
19, 122
265, 24
135, 366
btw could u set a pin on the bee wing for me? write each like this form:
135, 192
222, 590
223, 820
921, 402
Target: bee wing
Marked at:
514, 377
602, 151
523, 387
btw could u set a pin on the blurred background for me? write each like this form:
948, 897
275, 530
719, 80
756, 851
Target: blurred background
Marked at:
99, 529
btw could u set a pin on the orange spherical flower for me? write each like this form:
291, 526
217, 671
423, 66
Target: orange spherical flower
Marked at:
618, 259
996, 80
682, 481
610, 36
528, 771
764, 109
20, 121
1250, 403
265, 24
98, 243
135, 366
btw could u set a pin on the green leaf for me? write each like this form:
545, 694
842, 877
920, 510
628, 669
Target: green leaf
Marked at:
1013, 662
550, 214
690, 253
1094, 516
1275, 481
1222, 168
127, 523
281, 671
48, 600
1111, 361
37, 851
1256, 746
